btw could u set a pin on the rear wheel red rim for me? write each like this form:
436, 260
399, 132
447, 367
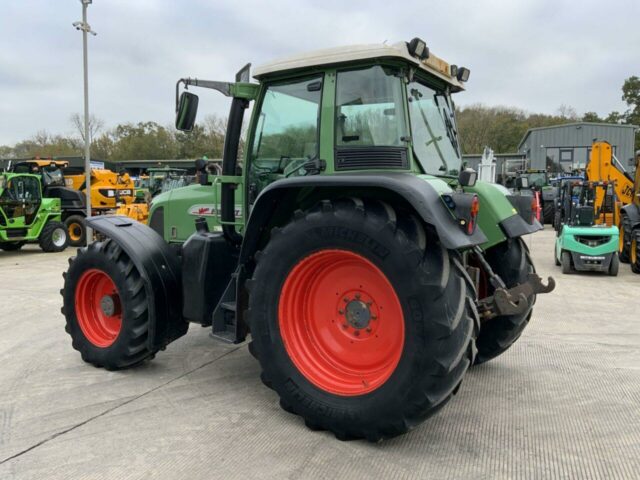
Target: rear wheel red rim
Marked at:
341, 322
98, 308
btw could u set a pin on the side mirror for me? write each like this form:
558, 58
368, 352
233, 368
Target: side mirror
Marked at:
468, 177
186, 112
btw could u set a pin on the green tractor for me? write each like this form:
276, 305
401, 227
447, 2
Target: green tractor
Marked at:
26, 217
584, 240
369, 269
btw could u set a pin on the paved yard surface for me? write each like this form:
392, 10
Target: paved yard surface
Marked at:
564, 402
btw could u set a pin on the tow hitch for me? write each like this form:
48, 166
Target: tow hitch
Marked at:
509, 301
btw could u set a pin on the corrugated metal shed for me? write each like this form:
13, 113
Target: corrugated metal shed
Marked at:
567, 147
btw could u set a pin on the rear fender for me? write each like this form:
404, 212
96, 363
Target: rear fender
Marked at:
418, 193
159, 267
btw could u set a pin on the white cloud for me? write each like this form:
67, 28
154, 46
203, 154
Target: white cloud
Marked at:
533, 54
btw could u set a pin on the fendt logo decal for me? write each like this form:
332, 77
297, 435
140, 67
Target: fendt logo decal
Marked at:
203, 210
210, 210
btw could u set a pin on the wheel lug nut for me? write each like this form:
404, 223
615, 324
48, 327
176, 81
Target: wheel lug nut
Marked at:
358, 296
369, 304
368, 330
341, 312
356, 333
373, 317
346, 299
345, 326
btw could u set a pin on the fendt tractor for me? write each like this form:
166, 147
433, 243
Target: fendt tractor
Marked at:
369, 270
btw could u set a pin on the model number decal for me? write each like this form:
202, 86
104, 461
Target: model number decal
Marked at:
210, 210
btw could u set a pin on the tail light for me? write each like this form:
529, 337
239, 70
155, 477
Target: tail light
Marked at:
535, 207
475, 208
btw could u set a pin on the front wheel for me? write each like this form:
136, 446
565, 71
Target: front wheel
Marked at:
511, 261
106, 307
53, 237
363, 324
614, 266
11, 246
76, 230
566, 263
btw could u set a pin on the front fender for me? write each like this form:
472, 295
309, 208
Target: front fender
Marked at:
418, 192
159, 267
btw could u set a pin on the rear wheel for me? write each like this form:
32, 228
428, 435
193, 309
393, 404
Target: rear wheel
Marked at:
106, 307
53, 237
634, 253
511, 261
76, 230
11, 246
363, 324
625, 239
566, 263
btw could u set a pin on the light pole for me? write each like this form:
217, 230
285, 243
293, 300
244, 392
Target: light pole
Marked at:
86, 28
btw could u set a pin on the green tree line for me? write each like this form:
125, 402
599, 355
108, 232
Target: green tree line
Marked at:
500, 128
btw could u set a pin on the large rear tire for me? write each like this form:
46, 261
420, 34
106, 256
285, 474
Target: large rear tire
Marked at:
106, 307
511, 261
548, 212
624, 250
53, 237
634, 251
362, 322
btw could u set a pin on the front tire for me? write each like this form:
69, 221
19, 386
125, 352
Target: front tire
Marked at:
566, 263
362, 322
76, 230
11, 246
106, 307
511, 261
548, 212
614, 266
53, 237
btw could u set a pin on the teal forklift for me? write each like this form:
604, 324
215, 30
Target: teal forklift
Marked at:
587, 238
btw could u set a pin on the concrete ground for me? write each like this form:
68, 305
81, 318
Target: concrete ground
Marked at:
564, 402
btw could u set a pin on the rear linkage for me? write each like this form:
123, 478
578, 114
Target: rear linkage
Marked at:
512, 301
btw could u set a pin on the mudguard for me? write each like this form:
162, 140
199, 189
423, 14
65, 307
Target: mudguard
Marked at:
159, 267
421, 195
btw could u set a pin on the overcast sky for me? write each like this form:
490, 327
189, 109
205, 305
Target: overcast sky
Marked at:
531, 54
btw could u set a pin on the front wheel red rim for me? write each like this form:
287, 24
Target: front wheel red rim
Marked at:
98, 308
341, 322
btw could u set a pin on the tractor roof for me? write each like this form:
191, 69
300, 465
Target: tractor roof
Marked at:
354, 53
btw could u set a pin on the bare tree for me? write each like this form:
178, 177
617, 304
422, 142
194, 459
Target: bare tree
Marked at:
95, 125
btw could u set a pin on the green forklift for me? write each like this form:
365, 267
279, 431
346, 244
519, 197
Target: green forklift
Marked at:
587, 238
26, 217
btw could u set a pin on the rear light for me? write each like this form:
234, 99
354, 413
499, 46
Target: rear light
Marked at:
475, 208
535, 207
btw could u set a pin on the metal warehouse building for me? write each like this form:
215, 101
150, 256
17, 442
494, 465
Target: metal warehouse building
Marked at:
567, 147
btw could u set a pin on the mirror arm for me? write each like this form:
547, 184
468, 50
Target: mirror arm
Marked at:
222, 87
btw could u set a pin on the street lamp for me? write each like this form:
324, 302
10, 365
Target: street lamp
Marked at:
86, 28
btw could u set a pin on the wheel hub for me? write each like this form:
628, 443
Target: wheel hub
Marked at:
358, 314
108, 305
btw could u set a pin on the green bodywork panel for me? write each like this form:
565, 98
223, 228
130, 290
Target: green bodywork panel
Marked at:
494, 208
182, 206
566, 241
28, 216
